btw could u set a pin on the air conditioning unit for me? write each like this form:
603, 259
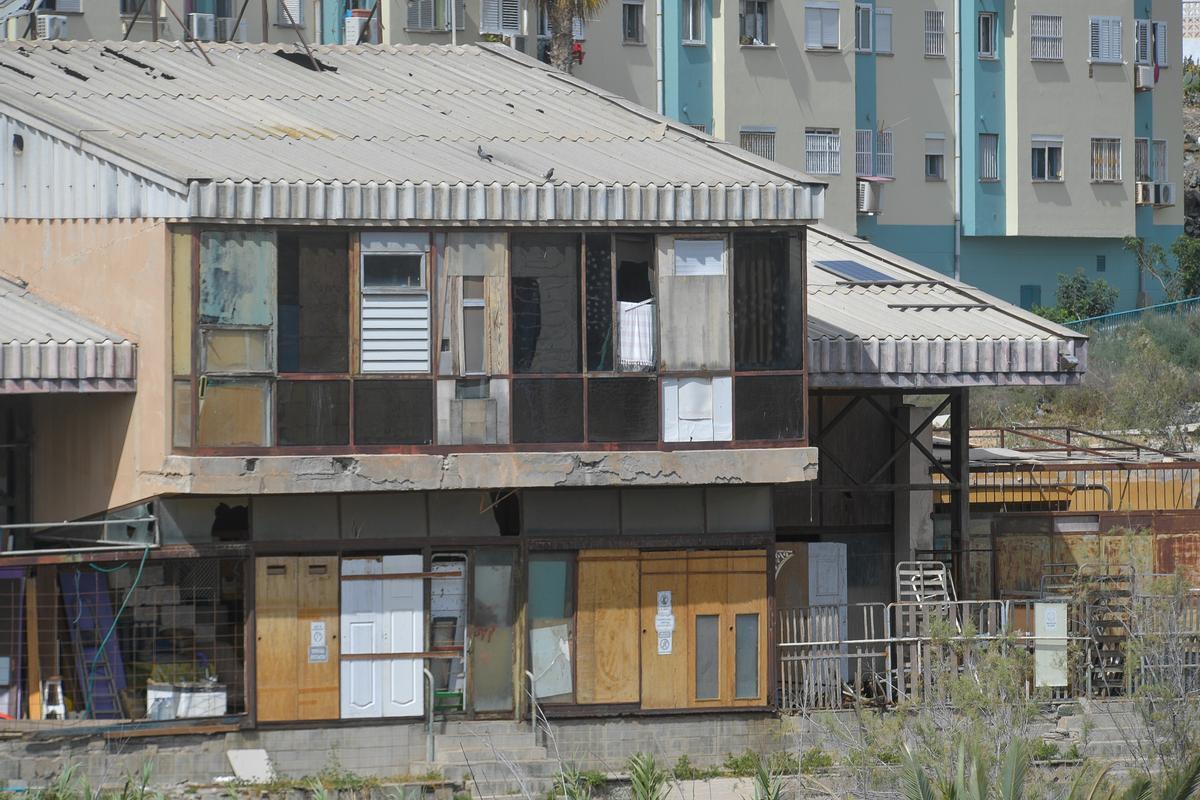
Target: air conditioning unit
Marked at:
1164, 194
1143, 77
202, 27
868, 197
51, 26
354, 27
1143, 192
226, 32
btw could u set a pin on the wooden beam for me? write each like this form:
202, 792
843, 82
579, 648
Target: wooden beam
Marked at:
33, 654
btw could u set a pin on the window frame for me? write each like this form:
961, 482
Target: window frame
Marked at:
1050, 43
425, 290
1161, 46
1046, 143
689, 21
991, 53
935, 33
864, 153
821, 9
1102, 54
993, 139
1142, 167
768, 134
1099, 176
833, 154
1143, 42
640, 11
939, 154
884, 13
762, 26
861, 10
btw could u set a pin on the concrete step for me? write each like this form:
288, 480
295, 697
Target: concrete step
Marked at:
454, 754
490, 778
499, 740
459, 727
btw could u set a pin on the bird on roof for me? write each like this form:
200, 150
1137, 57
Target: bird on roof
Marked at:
484, 156
548, 175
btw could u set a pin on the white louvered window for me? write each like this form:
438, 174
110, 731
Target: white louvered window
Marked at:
989, 157
760, 141
1143, 52
435, 15
883, 30
395, 302
864, 156
500, 17
1141, 160
885, 157
862, 28
290, 13
1106, 160
935, 34
66, 6
1158, 161
1161, 55
1046, 37
821, 26
822, 151
1104, 39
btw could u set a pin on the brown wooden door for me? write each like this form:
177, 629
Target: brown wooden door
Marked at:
664, 677
317, 605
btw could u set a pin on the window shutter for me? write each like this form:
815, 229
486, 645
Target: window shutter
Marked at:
69, 6
884, 163
1114, 39
1095, 39
296, 8
883, 30
420, 15
578, 28
510, 17
460, 14
812, 27
829, 28
1160, 44
1142, 33
489, 16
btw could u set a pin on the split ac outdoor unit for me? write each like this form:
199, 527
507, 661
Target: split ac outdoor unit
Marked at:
51, 26
226, 31
1143, 193
1143, 76
202, 27
868, 197
354, 27
1164, 194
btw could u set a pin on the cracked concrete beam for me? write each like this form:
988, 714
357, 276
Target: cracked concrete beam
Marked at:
428, 472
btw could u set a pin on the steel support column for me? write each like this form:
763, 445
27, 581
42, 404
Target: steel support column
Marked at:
960, 496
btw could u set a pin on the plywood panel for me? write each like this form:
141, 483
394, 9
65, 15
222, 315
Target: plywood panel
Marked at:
607, 618
495, 303
317, 602
664, 677
708, 561
276, 653
747, 594
667, 562
706, 591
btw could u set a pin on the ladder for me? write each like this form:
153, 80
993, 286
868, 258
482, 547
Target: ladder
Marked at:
99, 669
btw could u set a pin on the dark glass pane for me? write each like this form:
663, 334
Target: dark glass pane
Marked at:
393, 412
599, 303
473, 334
314, 302
636, 308
768, 407
313, 412
768, 303
745, 658
708, 652
623, 410
390, 271
545, 302
548, 410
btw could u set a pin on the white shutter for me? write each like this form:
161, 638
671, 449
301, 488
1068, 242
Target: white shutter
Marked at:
884, 160
1160, 44
1114, 39
1142, 43
829, 28
510, 17
1095, 39
578, 28
420, 15
395, 332
812, 28
863, 152
69, 6
883, 30
295, 8
935, 33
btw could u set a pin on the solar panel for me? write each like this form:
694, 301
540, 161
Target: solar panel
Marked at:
854, 271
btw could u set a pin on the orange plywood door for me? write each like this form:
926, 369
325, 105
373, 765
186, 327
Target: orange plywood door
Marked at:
706, 622
608, 616
317, 694
664, 675
745, 653
277, 651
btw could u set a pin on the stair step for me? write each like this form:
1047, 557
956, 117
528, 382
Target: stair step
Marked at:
456, 755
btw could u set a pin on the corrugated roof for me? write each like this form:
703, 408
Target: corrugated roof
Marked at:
46, 348
920, 328
390, 132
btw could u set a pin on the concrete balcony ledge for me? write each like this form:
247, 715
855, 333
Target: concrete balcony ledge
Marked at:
306, 474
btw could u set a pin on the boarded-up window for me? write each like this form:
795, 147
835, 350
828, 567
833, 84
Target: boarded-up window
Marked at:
235, 350
623, 410
769, 407
693, 292
314, 302
393, 412
768, 302
545, 303
237, 278
547, 410
607, 613
181, 393
234, 412
697, 409
601, 338
395, 302
313, 412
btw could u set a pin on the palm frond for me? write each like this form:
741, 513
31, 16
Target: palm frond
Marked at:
914, 783
1013, 770
1140, 788
1183, 783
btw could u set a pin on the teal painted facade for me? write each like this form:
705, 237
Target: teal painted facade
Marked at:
687, 69
333, 26
982, 88
931, 245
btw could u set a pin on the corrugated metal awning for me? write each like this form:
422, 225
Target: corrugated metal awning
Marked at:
44, 348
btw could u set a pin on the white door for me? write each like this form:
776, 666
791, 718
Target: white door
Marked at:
827, 582
379, 617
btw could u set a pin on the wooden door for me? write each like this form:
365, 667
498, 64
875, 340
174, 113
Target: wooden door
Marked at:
708, 637
608, 614
746, 623
317, 634
276, 654
664, 676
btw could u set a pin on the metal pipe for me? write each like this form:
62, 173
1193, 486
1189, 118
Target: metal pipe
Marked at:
533, 705
78, 523
453, 22
660, 81
430, 751
958, 183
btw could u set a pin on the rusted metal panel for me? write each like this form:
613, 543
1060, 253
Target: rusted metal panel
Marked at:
1179, 552
1020, 560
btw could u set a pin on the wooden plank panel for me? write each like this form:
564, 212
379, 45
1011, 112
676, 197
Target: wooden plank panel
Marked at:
276, 649
666, 562
664, 677
317, 601
33, 653
495, 304
708, 561
747, 594
706, 593
607, 620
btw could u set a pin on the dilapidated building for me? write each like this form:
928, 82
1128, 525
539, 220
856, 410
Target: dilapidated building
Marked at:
458, 382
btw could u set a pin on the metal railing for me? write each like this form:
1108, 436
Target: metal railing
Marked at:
1117, 319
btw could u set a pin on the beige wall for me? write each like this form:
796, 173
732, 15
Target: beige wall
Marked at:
625, 69
92, 451
1168, 107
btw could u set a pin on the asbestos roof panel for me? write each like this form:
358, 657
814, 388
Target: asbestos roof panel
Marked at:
46, 348
920, 328
470, 115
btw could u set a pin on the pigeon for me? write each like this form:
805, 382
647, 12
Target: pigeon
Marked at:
485, 156
548, 175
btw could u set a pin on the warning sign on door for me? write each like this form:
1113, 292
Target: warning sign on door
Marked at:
318, 650
664, 644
